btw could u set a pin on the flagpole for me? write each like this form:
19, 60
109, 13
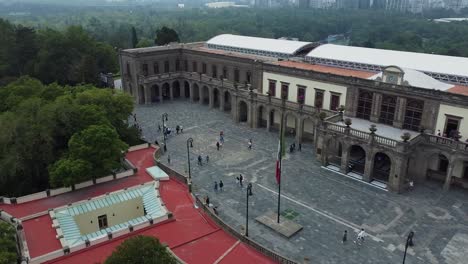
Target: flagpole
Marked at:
280, 165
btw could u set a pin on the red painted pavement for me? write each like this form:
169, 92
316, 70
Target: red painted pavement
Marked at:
192, 235
40, 236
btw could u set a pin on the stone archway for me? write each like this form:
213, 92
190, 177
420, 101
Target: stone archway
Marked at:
334, 152
227, 101
290, 124
155, 93
205, 95
196, 93
166, 91
187, 89
308, 130
262, 117
216, 100
438, 167
357, 159
243, 112
141, 94
382, 167
176, 89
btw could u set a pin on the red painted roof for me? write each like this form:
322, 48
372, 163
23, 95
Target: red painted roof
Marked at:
459, 89
325, 69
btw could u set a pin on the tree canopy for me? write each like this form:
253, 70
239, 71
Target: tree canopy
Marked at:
7, 244
165, 36
142, 250
74, 132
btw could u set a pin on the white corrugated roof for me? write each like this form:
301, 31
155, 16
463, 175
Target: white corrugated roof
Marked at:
419, 79
418, 61
265, 44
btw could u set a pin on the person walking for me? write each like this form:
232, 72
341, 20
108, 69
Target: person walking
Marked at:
250, 144
156, 142
159, 128
177, 129
207, 201
200, 160
345, 237
241, 180
360, 237
168, 159
207, 159
217, 145
216, 186
181, 129
300, 147
221, 185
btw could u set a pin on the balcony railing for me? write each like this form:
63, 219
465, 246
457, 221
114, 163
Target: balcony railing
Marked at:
442, 141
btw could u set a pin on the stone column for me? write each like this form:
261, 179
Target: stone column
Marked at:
210, 97
400, 112
191, 92
299, 130
376, 105
221, 100
182, 89
200, 96
147, 94
397, 176
448, 178
369, 167
234, 112
171, 92
344, 159
268, 124
160, 94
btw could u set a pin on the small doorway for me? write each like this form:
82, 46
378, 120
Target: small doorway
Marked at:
102, 220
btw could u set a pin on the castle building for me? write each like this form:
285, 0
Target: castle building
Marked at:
385, 117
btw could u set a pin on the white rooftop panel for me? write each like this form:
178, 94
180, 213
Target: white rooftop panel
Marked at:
419, 79
417, 61
265, 44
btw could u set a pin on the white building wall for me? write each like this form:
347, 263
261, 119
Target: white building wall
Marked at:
453, 111
310, 85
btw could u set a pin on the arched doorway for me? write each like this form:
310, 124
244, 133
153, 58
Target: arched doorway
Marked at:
243, 111
290, 125
357, 159
437, 167
227, 101
382, 167
261, 116
196, 93
141, 94
154, 93
166, 93
308, 130
187, 89
215, 98
205, 95
176, 89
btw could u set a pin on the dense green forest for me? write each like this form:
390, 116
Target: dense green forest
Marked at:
69, 56
369, 28
54, 135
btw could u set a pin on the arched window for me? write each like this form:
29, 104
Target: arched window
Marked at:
387, 109
413, 114
364, 104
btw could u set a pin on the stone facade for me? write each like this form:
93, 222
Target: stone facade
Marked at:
234, 83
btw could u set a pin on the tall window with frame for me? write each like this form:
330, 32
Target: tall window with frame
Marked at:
194, 66
335, 101
272, 88
236, 75
204, 68
156, 67
144, 68
225, 73
364, 108
301, 90
214, 71
318, 102
166, 66
387, 109
284, 90
248, 77
413, 114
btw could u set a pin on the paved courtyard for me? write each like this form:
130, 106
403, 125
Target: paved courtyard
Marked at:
323, 202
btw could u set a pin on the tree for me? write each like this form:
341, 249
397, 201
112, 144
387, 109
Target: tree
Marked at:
142, 250
165, 36
68, 172
134, 38
7, 244
100, 146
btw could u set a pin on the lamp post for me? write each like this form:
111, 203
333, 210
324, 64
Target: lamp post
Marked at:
409, 242
189, 144
164, 118
248, 193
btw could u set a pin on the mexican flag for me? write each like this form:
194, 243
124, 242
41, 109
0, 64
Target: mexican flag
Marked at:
280, 153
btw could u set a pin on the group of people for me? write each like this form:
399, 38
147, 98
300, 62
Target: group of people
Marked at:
453, 134
359, 238
200, 160
292, 147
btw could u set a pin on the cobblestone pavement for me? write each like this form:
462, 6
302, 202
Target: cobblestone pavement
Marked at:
327, 203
